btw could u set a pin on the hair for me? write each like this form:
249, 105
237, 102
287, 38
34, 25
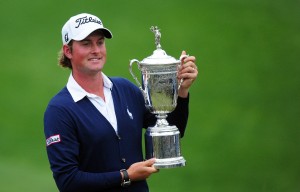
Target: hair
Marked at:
63, 60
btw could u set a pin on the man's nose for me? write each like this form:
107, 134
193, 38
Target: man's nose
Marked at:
95, 48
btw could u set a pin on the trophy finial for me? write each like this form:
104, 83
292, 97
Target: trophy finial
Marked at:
157, 34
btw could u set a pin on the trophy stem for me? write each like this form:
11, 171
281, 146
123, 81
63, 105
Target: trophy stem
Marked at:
161, 120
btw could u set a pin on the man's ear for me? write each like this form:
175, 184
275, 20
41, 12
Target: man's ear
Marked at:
67, 51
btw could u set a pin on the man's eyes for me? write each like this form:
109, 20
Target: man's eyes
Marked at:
85, 43
89, 43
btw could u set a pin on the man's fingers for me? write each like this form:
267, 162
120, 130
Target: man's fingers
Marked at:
149, 162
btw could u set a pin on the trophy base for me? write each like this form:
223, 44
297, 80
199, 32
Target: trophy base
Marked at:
169, 163
163, 144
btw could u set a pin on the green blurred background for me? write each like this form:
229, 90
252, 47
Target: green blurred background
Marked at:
243, 132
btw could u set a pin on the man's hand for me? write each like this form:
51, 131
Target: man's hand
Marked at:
187, 74
141, 170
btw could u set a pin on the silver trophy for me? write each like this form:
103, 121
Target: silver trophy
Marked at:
160, 89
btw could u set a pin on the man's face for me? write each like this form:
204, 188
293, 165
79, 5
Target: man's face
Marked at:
88, 56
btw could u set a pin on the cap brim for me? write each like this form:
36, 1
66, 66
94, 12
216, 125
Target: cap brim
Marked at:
106, 32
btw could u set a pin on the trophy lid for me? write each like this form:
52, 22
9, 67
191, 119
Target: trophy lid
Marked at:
159, 56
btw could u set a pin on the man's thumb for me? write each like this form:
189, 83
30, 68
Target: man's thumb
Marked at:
150, 162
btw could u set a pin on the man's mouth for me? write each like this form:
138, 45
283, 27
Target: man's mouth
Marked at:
94, 59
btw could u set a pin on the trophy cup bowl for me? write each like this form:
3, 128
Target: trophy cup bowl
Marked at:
160, 90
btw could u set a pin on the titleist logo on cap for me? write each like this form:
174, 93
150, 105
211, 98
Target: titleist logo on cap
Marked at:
84, 20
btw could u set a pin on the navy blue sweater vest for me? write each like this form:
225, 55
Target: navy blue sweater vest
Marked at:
85, 152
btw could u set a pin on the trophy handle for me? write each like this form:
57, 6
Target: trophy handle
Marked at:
132, 74
182, 57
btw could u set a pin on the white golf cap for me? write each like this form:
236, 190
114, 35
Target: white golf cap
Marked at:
80, 26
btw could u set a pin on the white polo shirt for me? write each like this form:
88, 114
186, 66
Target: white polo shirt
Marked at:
106, 108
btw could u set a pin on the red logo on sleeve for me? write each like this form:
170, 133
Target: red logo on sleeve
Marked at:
53, 139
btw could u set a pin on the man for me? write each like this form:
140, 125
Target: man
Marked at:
93, 126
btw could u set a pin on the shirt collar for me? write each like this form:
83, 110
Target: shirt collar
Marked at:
78, 93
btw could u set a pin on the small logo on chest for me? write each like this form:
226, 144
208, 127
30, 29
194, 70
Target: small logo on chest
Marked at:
129, 114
